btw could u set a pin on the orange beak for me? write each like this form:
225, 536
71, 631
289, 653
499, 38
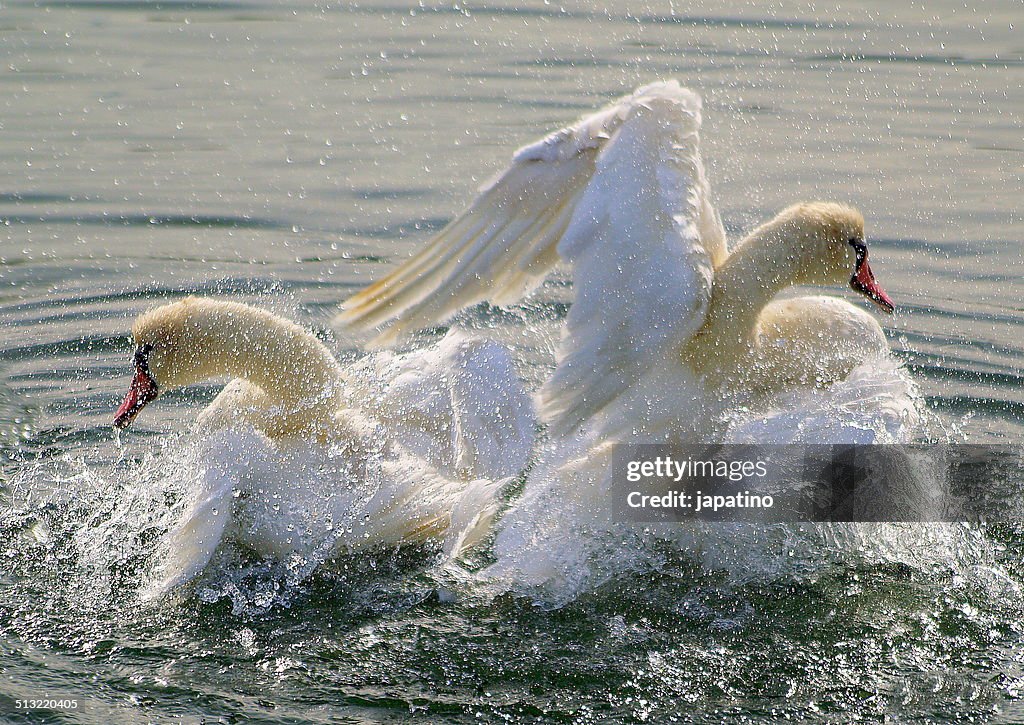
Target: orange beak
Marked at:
142, 390
863, 280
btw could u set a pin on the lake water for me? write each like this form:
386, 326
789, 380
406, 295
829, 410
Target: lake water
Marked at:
287, 154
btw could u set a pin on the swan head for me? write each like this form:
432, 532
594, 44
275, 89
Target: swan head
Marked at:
167, 354
830, 248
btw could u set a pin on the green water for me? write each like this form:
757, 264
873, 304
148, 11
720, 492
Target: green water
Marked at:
287, 154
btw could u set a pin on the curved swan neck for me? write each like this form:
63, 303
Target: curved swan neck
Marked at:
288, 363
757, 270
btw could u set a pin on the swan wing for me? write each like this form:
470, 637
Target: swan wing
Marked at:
642, 244
622, 197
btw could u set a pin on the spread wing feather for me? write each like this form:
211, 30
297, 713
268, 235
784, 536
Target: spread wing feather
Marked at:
622, 197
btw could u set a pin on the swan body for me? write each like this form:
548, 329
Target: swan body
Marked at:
623, 198
306, 454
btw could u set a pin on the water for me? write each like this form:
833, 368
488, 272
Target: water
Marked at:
285, 155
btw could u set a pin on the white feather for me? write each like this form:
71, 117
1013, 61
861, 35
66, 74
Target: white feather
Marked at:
621, 196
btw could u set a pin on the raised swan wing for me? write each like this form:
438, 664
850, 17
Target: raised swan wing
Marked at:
622, 197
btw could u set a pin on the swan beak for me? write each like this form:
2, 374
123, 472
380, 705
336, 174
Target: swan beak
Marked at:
142, 390
863, 280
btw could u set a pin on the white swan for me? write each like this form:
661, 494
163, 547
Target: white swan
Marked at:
670, 337
395, 449
663, 319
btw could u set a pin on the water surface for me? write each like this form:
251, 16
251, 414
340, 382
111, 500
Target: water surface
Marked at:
287, 154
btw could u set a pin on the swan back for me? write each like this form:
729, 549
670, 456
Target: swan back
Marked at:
813, 341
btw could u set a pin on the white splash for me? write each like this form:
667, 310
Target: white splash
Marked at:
561, 537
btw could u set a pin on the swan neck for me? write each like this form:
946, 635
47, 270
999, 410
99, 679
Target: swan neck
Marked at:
750, 277
288, 363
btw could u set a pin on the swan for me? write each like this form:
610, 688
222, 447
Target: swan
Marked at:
668, 329
673, 335
410, 448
